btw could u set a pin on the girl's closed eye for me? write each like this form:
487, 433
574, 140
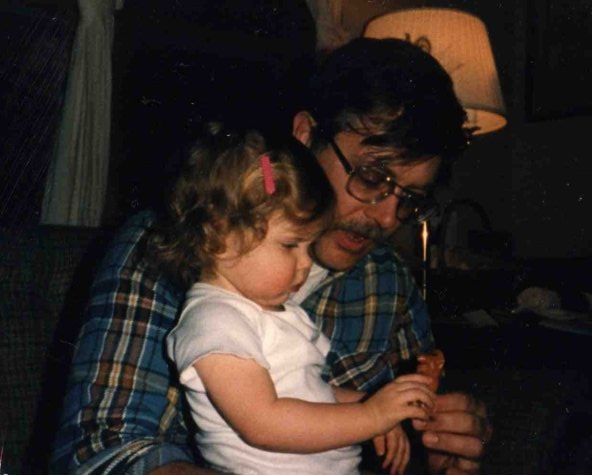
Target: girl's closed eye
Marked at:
290, 245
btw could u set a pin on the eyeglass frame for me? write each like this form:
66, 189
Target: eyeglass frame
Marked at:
392, 184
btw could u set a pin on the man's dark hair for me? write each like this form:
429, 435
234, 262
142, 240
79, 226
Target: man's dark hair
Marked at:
395, 87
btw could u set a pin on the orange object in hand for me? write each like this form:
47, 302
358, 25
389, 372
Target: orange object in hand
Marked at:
431, 364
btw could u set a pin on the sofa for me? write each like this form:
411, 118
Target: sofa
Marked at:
45, 272
540, 412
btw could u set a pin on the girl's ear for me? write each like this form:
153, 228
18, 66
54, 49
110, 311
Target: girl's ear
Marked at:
302, 126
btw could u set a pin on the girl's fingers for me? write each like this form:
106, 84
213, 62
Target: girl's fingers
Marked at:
413, 378
400, 446
405, 456
412, 391
415, 411
418, 397
379, 445
401, 457
391, 445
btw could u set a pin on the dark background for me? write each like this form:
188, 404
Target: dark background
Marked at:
175, 61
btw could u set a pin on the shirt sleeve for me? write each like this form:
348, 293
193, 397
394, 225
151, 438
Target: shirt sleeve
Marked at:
118, 390
213, 328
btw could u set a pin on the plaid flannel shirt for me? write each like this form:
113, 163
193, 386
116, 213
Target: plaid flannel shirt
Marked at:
366, 352
123, 412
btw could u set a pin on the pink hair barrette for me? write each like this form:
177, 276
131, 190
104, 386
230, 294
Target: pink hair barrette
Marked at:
266, 169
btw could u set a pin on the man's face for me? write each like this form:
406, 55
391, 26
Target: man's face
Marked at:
360, 226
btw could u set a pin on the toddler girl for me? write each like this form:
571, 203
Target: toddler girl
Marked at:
243, 216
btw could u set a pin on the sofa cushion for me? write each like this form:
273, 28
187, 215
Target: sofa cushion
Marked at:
40, 278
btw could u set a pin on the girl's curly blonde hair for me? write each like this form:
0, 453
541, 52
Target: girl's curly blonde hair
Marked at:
220, 190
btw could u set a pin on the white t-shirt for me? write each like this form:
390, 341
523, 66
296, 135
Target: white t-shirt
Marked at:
286, 343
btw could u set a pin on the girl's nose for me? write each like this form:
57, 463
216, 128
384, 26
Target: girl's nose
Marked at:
304, 258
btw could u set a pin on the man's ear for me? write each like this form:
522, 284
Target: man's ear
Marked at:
302, 126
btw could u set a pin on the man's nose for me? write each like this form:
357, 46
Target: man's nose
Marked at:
384, 213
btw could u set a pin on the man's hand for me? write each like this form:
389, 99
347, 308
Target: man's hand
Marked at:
456, 434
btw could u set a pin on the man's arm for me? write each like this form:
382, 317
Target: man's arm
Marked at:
119, 408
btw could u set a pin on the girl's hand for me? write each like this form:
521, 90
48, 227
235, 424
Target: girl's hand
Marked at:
395, 447
406, 397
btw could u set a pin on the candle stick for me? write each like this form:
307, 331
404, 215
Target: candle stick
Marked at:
424, 242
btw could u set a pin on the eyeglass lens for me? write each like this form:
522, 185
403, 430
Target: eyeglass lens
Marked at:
373, 185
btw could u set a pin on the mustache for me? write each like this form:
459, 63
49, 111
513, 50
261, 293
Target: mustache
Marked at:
370, 231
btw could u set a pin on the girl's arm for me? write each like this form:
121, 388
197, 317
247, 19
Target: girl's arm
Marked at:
393, 446
347, 395
243, 392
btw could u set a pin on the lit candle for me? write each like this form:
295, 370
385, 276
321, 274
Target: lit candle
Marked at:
424, 242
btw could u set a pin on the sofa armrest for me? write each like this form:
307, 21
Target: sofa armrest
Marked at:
44, 276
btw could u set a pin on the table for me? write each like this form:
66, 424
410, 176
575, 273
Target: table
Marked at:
535, 382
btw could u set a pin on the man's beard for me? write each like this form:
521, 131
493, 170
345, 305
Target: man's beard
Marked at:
366, 230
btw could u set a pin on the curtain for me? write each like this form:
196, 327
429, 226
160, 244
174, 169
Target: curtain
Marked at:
35, 49
77, 180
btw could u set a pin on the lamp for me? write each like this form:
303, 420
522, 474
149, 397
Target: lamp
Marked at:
459, 41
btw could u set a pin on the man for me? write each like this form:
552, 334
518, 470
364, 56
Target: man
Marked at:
384, 124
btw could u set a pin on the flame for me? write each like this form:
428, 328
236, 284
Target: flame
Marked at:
424, 241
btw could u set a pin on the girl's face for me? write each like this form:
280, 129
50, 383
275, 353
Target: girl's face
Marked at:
273, 269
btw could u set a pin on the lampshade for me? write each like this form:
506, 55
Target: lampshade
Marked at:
459, 41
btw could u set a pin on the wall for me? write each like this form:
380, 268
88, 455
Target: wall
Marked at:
176, 62
532, 178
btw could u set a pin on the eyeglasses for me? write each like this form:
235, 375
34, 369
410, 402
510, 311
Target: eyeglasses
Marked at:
372, 184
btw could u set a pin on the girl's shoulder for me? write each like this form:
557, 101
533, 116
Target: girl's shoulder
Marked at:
213, 305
